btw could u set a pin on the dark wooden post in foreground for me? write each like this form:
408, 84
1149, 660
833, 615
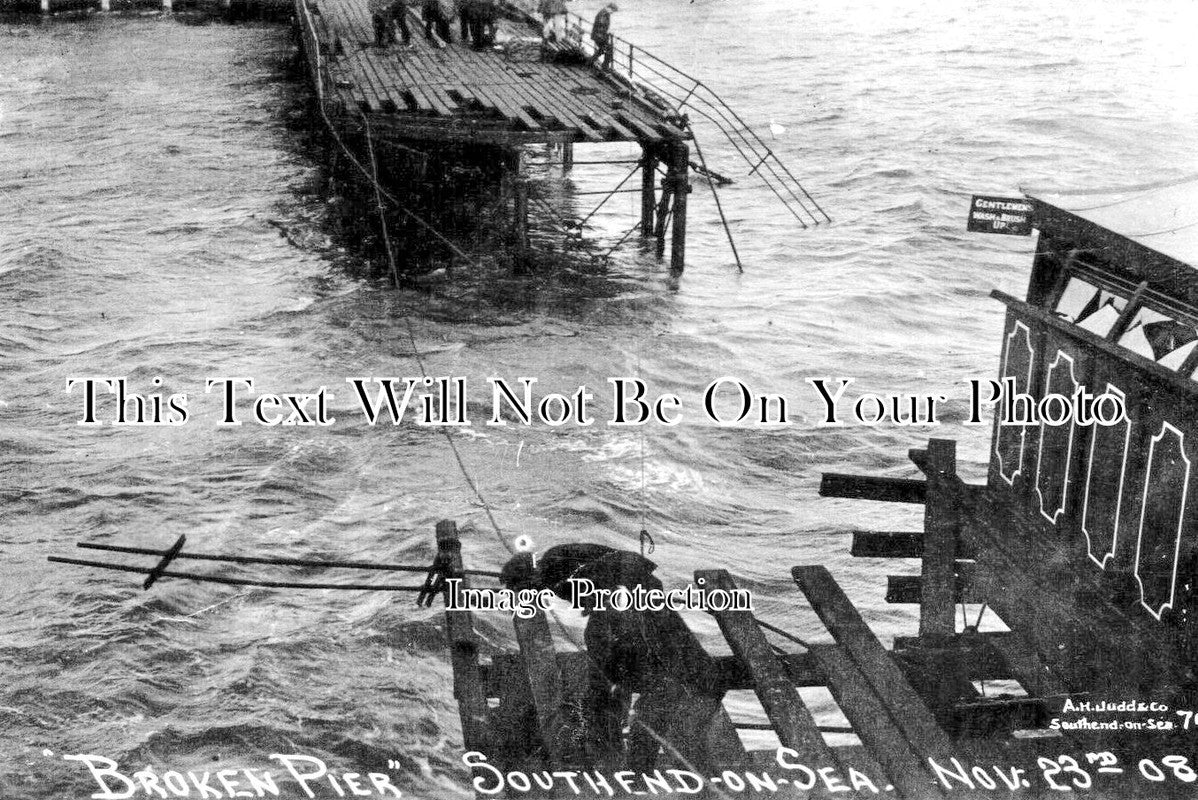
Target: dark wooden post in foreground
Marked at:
943, 515
679, 165
463, 647
648, 188
539, 658
937, 610
567, 156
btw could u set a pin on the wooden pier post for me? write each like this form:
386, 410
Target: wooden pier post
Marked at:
167, 6
943, 516
463, 646
679, 165
937, 610
45, 6
544, 676
648, 189
106, 5
567, 156
514, 186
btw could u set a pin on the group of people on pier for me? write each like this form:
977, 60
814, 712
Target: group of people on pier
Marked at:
478, 18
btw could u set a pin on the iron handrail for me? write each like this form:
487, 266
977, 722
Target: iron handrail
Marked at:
706, 103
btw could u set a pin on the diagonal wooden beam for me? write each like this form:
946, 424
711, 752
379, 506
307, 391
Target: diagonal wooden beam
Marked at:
791, 719
882, 674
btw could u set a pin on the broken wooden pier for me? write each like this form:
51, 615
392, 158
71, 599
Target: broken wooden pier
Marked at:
435, 93
443, 97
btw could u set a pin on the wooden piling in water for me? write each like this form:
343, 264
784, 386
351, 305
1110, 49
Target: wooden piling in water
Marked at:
648, 189
520, 220
45, 6
679, 166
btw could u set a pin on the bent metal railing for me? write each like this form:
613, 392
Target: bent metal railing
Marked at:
652, 79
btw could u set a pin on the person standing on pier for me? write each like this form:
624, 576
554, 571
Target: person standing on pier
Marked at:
400, 10
554, 13
601, 36
465, 9
436, 18
478, 22
487, 14
383, 16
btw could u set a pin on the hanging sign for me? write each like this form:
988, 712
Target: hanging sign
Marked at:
1006, 215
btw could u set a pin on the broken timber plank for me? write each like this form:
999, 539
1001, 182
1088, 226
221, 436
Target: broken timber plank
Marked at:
864, 487
792, 719
872, 723
880, 671
544, 681
887, 544
363, 84
528, 100
550, 86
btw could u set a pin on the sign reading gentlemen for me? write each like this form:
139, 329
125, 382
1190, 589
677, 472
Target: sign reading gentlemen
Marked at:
1006, 215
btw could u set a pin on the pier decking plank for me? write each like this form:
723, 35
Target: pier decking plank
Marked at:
792, 720
886, 742
851, 632
432, 86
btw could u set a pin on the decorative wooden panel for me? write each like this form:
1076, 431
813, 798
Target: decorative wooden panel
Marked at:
1054, 457
1017, 362
1105, 478
1163, 515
